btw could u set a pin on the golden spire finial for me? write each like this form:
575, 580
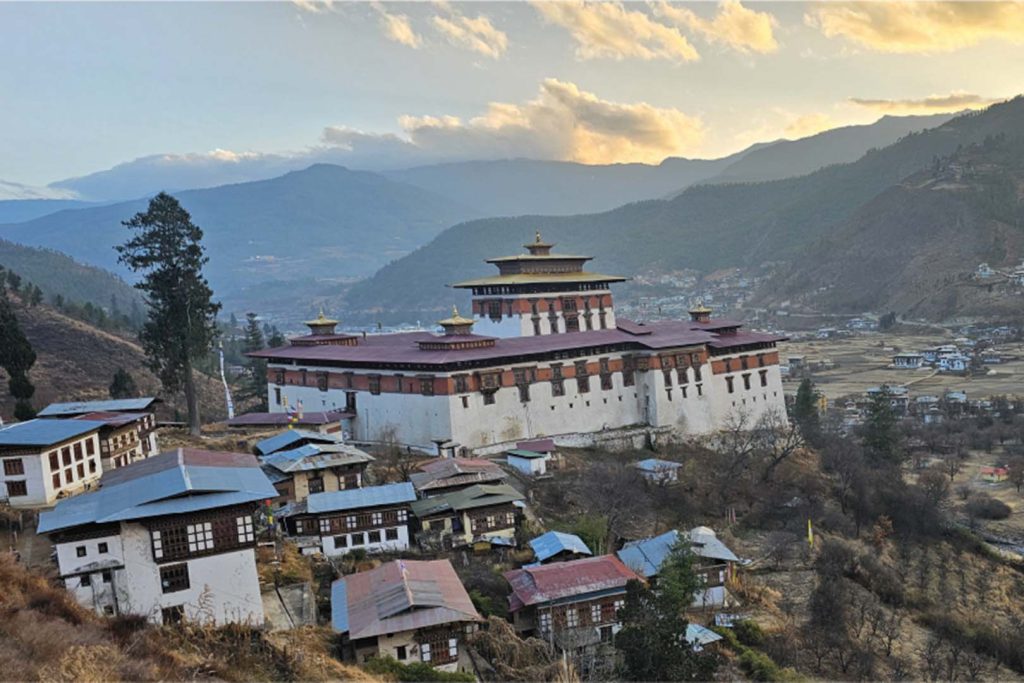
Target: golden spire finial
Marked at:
455, 311
536, 237
321, 316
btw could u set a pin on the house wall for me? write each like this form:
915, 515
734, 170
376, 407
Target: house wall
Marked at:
38, 475
223, 588
389, 644
401, 543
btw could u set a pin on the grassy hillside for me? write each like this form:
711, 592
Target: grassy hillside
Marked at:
46, 636
706, 227
77, 362
58, 274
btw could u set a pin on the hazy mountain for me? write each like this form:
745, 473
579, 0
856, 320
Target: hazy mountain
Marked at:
914, 248
515, 187
325, 221
18, 210
790, 158
10, 191
706, 227
59, 274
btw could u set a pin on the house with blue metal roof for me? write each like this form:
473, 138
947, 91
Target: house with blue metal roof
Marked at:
558, 546
314, 468
714, 562
171, 537
372, 518
42, 461
658, 471
119, 405
293, 438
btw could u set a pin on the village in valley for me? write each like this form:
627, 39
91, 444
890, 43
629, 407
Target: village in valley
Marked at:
560, 341
497, 498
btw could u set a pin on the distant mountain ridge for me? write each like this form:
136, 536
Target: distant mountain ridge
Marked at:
325, 221
792, 158
706, 227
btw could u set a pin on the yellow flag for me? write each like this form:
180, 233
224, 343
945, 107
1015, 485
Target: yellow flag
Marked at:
810, 533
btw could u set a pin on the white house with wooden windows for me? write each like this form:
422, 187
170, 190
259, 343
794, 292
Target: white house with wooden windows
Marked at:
42, 461
169, 538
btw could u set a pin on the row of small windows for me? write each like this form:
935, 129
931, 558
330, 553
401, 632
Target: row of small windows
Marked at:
360, 539
202, 537
595, 613
729, 381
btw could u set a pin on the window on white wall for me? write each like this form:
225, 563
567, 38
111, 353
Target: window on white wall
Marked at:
200, 537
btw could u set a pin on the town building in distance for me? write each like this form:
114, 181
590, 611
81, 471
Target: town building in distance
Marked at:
544, 355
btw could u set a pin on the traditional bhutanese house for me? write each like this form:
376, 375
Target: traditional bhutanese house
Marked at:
44, 460
374, 518
573, 604
125, 437
447, 475
715, 562
483, 514
544, 344
528, 462
169, 537
700, 638
557, 546
325, 422
411, 610
994, 475
144, 422
315, 468
907, 361
658, 471
293, 438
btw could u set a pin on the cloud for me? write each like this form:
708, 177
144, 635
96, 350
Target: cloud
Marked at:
957, 100
565, 123
397, 27
734, 25
920, 27
314, 6
607, 30
478, 35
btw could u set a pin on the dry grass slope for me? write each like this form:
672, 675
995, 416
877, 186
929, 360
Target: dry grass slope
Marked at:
46, 636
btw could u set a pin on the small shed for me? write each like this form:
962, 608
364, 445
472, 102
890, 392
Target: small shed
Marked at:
555, 546
527, 462
659, 471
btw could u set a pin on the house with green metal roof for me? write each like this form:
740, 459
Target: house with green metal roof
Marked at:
483, 515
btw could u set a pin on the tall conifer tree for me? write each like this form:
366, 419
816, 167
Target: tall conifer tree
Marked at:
181, 325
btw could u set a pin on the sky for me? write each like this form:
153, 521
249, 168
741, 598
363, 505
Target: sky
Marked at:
86, 86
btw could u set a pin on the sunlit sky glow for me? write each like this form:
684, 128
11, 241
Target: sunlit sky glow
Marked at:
85, 86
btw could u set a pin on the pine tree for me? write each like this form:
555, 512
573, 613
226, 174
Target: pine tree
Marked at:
880, 433
275, 338
123, 385
256, 387
17, 358
181, 325
653, 636
805, 412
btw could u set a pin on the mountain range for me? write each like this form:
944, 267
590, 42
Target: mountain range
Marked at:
705, 227
324, 222
278, 245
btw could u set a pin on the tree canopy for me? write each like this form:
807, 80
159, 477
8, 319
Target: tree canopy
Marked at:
181, 327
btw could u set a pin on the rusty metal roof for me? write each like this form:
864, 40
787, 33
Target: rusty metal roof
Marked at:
551, 582
450, 472
402, 595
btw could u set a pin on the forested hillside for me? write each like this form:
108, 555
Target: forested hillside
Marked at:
706, 227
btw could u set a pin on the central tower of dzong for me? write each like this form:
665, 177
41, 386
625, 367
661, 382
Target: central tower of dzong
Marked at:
539, 293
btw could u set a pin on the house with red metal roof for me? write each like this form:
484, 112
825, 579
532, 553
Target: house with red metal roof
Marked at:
543, 356
571, 604
412, 610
